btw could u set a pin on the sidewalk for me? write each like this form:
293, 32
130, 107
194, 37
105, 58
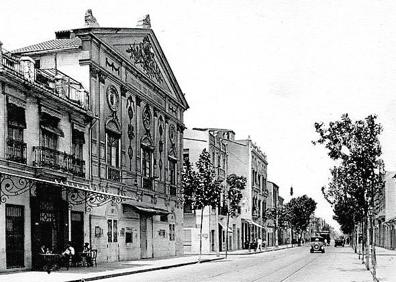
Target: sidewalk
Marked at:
386, 264
103, 270
114, 269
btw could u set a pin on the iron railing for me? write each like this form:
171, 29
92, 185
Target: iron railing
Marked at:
113, 173
51, 80
16, 150
53, 159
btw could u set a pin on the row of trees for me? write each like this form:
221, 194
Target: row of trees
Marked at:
201, 189
296, 214
357, 178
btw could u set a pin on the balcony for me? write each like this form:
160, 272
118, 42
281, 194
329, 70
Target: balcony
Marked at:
16, 151
56, 160
51, 80
113, 173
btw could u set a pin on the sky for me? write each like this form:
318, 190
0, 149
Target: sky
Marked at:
265, 69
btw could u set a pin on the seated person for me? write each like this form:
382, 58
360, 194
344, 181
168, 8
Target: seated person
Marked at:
87, 254
68, 253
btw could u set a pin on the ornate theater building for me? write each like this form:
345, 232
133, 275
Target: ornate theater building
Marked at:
90, 147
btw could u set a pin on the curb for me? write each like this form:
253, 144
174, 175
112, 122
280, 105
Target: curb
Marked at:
255, 253
141, 270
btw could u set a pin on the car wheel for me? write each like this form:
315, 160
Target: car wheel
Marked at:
323, 251
311, 251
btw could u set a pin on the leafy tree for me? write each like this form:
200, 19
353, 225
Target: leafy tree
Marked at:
299, 211
201, 188
358, 178
233, 197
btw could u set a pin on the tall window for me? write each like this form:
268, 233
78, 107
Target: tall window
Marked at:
112, 230
16, 148
113, 149
50, 140
171, 232
172, 172
146, 162
77, 143
147, 170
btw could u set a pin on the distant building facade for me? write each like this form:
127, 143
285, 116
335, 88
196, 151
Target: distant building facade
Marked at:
246, 159
214, 220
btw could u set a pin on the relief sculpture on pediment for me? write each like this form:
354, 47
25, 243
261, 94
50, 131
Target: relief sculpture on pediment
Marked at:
143, 55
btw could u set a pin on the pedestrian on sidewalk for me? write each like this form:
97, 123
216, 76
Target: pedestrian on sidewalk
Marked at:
259, 244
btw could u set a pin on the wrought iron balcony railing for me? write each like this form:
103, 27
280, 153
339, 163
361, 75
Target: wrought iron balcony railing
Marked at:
53, 159
113, 173
16, 150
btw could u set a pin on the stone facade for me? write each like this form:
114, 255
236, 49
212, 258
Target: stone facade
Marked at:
124, 119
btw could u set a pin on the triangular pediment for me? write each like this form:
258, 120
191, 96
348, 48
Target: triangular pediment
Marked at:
141, 48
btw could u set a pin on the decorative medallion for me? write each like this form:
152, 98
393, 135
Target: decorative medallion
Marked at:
142, 54
131, 131
130, 107
130, 152
113, 98
147, 118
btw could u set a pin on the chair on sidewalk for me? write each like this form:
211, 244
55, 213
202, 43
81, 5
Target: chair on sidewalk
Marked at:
94, 254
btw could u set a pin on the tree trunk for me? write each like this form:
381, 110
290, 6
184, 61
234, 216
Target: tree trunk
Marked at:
200, 235
367, 251
291, 236
228, 222
373, 254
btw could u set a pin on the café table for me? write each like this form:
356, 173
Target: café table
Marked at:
52, 261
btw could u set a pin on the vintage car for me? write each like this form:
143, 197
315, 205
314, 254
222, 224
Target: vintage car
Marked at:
339, 242
317, 244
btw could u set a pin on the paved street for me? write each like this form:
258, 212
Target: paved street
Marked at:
298, 264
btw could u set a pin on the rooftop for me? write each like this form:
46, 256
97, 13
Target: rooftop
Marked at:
54, 44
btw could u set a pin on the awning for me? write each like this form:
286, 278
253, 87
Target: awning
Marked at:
77, 192
252, 222
224, 227
148, 210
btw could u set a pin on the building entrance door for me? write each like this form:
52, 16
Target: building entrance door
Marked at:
143, 236
49, 219
77, 230
15, 236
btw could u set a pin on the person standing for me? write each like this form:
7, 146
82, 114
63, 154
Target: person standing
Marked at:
259, 244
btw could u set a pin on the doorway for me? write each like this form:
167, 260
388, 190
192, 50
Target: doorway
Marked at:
15, 236
77, 230
143, 236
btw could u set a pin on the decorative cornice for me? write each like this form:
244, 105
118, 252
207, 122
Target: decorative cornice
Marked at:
102, 77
